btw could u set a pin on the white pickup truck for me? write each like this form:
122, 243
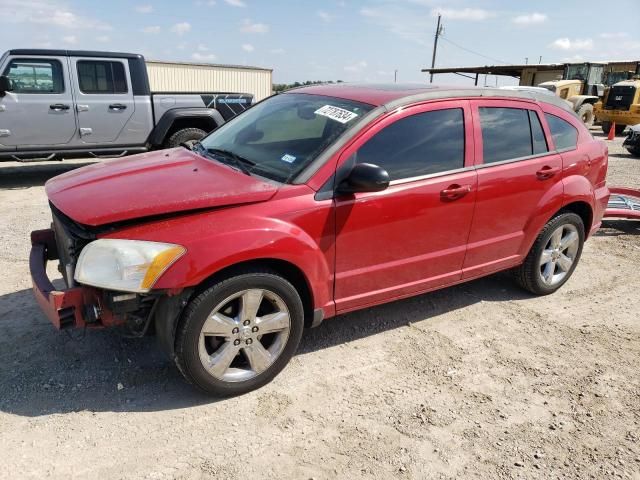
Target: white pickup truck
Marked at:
57, 104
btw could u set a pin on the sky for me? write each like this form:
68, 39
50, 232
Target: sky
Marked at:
349, 40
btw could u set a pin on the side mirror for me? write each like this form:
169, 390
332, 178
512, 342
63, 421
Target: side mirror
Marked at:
5, 84
365, 177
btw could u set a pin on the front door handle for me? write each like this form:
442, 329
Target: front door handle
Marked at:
117, 107
547, 172
59, 107
454, 192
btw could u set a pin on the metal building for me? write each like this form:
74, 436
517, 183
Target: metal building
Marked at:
206, 77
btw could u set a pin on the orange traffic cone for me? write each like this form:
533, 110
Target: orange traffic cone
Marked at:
612, 131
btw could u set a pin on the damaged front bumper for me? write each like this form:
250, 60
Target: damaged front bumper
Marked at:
73, 307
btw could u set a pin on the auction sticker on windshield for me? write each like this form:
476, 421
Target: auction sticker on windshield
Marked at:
335, 113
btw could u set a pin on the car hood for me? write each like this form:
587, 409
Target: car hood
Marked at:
152, 184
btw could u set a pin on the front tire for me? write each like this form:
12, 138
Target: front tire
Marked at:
553, 256
237, 335
187, 136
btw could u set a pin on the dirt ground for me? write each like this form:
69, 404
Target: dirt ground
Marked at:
477, 381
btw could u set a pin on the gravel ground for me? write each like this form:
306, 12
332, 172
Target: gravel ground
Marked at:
476, 381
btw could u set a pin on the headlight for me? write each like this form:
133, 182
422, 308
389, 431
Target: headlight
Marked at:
127, 265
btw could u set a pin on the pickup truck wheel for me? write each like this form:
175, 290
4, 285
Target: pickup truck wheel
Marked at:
188, 136
554, 255
585, 112
237, 335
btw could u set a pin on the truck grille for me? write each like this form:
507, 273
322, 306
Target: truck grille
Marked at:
71, 238
620, 97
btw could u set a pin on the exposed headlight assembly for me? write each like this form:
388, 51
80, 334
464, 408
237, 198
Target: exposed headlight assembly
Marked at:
125, 265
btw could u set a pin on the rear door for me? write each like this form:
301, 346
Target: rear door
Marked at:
412, 236
39, 111
104, 98
519, 182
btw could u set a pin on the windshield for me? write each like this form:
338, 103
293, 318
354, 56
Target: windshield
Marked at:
577, 72
280, 136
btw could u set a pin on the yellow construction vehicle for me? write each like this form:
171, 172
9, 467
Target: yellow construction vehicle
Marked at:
581, 86
621, 105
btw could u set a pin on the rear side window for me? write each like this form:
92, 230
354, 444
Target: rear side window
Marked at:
565, 135
101, 77
35, 76
422, 144
510, 133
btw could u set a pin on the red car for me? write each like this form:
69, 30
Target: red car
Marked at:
314, 203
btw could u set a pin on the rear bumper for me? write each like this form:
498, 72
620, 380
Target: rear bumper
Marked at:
64, 308
601, 199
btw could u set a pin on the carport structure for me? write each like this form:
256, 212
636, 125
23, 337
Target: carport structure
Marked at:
528, 74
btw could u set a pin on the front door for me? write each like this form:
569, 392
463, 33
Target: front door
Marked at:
39, 111
104, 98
413, 236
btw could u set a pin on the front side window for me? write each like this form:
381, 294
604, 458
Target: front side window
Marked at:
35, 76
101, 77
422, 144
510, 133
565, 135
281, 136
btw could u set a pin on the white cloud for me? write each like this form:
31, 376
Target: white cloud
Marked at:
247, 47
613, 36
472, 14
70, 39
326, 17
144, 8
181, 28
151, 29
50, 13
103, 38
249, 27
356, 67
576, 44
400, 21
277, 51
203, 57
530, 18
236, 3
207, 3
202, 48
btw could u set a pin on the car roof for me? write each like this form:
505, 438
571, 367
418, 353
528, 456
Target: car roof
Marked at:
394, 95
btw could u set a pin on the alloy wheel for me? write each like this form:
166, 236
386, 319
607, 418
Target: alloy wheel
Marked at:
559, 254
244, 335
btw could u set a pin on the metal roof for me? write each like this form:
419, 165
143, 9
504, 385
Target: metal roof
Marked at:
507, 70
216, 65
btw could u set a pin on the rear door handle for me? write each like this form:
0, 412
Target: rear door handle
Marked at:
117, 107
547, 172
59, 107
455, 192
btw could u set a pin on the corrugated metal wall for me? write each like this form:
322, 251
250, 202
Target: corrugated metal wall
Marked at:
185, 77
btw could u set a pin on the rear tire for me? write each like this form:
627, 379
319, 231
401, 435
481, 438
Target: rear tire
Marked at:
237, 335
188, 136
553, 256
634, 151
585, 112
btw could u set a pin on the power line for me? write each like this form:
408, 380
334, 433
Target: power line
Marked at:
443, 37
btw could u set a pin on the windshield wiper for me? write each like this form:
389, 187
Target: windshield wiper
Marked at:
238, 161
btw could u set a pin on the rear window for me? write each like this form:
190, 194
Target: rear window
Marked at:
565, 135
510, 133
101, 77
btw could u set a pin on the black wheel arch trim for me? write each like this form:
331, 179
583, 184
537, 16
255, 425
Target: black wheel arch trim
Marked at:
159, 133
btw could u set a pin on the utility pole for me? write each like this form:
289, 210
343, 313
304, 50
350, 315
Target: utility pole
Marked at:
395, 76
439, 29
